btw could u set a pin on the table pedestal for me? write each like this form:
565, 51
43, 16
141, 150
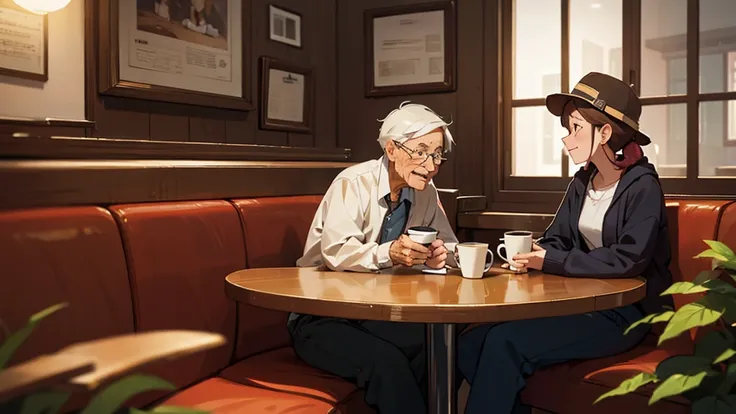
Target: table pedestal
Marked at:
442, 395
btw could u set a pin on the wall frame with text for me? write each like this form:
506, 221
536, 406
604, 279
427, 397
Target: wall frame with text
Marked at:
287, 94
25, 39
410, 49
171, 53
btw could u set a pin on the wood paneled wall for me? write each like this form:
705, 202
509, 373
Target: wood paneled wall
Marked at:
134, 119
333, 43
357, 127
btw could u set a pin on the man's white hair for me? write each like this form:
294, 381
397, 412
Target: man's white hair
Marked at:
411, 121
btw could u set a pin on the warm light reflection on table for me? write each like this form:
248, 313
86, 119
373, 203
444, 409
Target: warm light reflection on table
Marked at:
407, 294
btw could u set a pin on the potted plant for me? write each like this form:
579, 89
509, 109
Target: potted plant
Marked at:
107, 401
706, 378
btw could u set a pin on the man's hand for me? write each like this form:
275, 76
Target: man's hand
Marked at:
407, 252
532, 260
438, 256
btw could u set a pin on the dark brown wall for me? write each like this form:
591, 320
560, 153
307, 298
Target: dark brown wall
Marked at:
357, 127
134, 119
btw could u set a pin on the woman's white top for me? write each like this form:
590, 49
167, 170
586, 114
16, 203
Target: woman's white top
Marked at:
594, 209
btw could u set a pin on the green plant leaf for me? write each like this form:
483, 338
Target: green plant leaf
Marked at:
629, 385
725, 356
712, 254
690, 316
682, 364
684, 288
676, 384
721, 249
725, 303
713, 345
721, 286
707, 275
651, 319
169, 409
47, 402
729, 379
8, 348
112, 397
712, 285
730, 265
715, 405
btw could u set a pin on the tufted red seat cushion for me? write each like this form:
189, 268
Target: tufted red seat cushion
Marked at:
282, 370
220, 396
178, 256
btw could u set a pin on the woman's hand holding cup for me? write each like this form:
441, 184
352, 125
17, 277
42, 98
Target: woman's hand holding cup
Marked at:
438, 256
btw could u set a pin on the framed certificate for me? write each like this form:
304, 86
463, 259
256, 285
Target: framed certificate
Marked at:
23, 43
410, 49
287, 91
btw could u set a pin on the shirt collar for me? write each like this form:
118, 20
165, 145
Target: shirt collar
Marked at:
384, 187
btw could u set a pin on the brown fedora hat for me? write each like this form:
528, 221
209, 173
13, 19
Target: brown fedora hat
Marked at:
608, 95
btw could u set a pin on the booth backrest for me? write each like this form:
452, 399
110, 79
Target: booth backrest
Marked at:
275, 231
55, 255
727, 227
73, 255
692, 221
178, 254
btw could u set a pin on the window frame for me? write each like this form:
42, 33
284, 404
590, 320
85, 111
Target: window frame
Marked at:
545, 193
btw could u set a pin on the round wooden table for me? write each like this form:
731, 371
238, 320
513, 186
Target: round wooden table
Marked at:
407, 295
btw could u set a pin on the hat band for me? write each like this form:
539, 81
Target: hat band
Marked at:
590, 95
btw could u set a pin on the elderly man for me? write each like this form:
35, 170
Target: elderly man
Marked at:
359, 227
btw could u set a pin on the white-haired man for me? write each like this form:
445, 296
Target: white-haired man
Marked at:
359, 226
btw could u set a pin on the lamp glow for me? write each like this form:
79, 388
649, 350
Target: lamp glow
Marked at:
42, 6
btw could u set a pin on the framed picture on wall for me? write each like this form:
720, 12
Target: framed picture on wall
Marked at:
410, 49
287, 91
195, 52
23, 43
285, 26
731, 105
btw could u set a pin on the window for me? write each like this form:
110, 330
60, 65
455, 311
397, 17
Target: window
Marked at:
680, 56
542, 65
731, 116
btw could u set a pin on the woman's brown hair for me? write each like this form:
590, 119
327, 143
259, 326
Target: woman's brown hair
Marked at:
621, 133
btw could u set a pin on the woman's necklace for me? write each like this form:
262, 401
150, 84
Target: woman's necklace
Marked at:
596, 196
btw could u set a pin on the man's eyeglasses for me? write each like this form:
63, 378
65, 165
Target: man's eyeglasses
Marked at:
418, 154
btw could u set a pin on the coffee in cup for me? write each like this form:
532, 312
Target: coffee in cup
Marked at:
471, 258
515, 242
423, 235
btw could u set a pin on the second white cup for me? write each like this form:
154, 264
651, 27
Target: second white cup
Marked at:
515, 242
471, 258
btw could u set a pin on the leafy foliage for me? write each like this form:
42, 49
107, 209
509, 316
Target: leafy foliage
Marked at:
8, 348
708, 377
107, 401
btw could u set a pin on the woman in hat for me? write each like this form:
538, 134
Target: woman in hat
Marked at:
611, 224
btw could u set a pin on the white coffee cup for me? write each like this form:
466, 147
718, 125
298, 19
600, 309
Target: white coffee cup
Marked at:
471, 258
423, 235
515, 242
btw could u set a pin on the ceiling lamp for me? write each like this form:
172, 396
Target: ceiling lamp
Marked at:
42, 6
